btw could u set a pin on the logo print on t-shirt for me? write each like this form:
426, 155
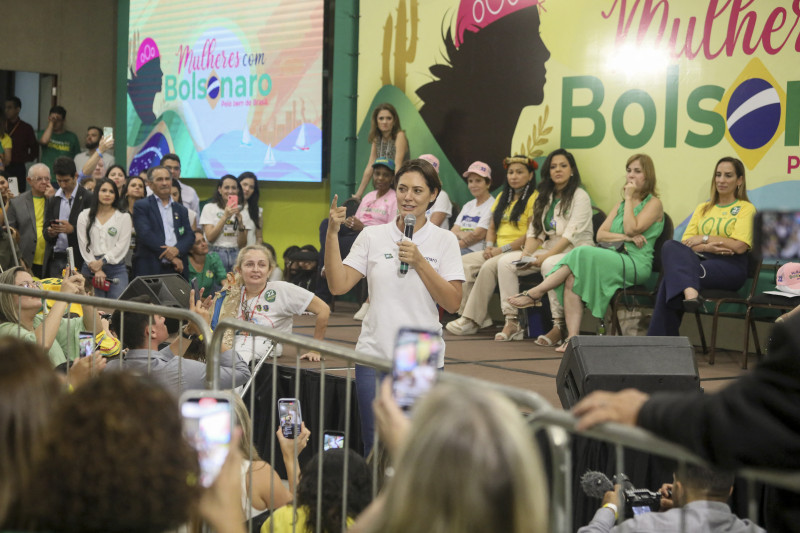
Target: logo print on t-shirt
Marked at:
735, 210
388, 256
269, 296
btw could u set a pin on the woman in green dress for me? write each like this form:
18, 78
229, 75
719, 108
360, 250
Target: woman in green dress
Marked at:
589, 275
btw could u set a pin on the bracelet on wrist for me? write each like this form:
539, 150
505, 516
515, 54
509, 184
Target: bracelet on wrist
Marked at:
614, 508
489, 244
505, 248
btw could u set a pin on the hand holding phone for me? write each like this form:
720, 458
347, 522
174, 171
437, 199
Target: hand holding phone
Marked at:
233, 201
290, 417
332, 440
208, 426
86, 343
416, 355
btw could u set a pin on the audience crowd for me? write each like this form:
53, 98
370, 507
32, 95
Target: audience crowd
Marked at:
464, 460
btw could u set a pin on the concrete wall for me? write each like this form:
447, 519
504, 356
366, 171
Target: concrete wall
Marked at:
77, 41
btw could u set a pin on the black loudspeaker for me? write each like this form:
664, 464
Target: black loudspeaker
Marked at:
170, 290
650, 364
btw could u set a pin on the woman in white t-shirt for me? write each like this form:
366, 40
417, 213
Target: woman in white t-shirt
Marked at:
104, 238
435, 274
251, 297
474, 219
249, 184
226, 226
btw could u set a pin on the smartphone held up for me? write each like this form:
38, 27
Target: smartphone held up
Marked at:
416, 354
291, 417
208, 425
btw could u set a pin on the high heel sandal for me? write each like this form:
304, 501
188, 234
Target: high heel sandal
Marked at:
517, 335
529, 301
547, 340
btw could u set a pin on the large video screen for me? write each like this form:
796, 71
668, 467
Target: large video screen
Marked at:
229, 86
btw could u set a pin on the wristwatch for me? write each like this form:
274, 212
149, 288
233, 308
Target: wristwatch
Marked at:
705, 239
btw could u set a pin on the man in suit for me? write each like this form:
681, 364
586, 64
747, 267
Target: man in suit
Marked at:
61, 218
164, 235
26, 214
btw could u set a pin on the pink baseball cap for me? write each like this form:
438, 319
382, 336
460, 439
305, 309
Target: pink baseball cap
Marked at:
480, 168
432, 159
788, 278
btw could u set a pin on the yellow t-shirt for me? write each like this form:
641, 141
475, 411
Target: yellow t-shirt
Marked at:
284, 517
733, 220
508, 232
38, 209
5, 141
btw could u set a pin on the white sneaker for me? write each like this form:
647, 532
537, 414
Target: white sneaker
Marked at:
462, 326
362, 312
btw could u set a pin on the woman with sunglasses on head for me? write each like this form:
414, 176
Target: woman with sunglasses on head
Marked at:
22, 316
712, 253
591, 275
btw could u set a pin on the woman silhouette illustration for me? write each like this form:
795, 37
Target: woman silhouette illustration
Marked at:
496, 61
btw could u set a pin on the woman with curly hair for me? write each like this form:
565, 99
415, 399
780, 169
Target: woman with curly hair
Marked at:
511, 213
114, 458
303, 517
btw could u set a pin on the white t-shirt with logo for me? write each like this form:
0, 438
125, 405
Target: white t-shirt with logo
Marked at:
228, 237
275, 307
396, 300
442, 205
474, 216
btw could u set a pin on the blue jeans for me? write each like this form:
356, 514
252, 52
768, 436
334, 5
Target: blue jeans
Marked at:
227, 254
120, 272
365, 393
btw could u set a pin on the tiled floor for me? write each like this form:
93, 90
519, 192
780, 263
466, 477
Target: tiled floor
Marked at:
520, 364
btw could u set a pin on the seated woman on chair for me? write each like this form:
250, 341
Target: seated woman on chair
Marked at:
592, 275
562, 220
510, 215
712, 253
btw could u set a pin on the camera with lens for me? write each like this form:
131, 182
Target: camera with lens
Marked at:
637, 501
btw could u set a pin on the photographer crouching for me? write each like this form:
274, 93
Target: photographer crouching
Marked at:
695, 501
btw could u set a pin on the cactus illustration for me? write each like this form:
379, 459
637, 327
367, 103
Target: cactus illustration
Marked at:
404, 53
537, 136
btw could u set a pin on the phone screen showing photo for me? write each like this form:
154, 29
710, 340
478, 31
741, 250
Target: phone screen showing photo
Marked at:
290, 416
208, 423
86, 343
777, 235
416, 354
332, 440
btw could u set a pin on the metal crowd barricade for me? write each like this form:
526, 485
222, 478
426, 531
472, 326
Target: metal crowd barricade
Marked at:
622, 436
184, 316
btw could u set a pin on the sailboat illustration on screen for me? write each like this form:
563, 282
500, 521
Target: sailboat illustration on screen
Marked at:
269, 158
300, 143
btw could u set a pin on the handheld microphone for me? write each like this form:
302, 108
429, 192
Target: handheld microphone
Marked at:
410, 221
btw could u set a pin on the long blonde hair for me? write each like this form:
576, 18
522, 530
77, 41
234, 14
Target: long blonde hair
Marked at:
233, 292
470, 465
